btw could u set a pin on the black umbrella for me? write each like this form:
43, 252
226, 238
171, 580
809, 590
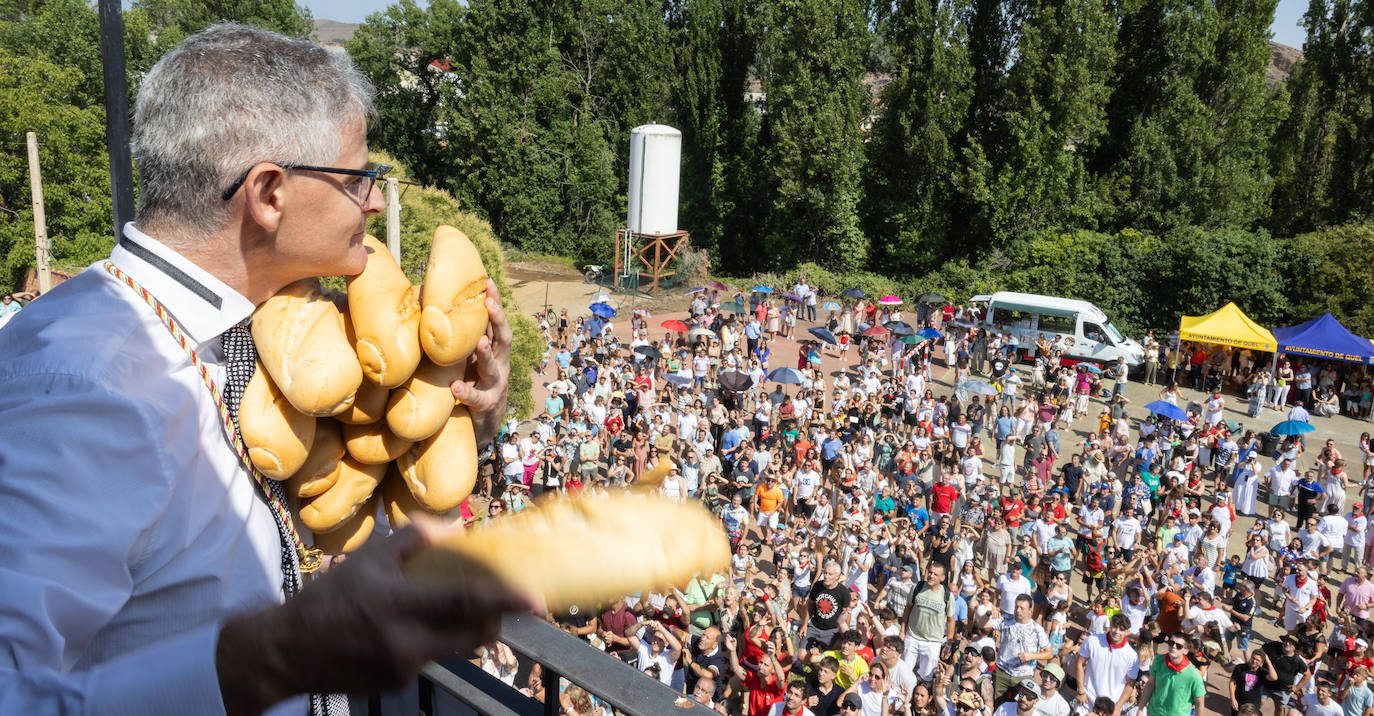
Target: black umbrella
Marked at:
899, 328
931, 297
649, 352
736, 382
853, 293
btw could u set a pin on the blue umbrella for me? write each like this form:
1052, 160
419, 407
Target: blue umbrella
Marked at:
1167, 409
823, 334
980, 387
786, 375
602, 310
929, 333
691, 291
899, 328
762, 289
830, 306
676, 379
1096, 371
1291, 427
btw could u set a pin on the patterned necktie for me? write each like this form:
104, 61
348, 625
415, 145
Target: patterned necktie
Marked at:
240, 362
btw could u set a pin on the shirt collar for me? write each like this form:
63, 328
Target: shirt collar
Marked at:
204, 306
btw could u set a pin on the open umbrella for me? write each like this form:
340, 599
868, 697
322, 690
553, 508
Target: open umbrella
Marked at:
901, 328
1167, 409
717, 285
823, 334
980, 387
602, 310
931, 297
791, 296
691, 291
600, 297
1292, 427
930, 333
890, 301
876, 332
830, 306
675, 326
736, 382
641, 312
649, 352
1093, 369
676, 379
762, 289
914, 340
701, 333
853, 293
790, 376
732, 307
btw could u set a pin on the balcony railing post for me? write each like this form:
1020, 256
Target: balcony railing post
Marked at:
551, 682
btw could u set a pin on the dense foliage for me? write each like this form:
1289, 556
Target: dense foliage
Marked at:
1133, 153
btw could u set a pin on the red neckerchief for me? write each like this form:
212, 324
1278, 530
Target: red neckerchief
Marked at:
1299, 580
1178, 668
1110, 645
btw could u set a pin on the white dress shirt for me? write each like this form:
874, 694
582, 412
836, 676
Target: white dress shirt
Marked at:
130, 529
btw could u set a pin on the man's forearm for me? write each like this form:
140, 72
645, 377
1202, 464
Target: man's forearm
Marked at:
251, 663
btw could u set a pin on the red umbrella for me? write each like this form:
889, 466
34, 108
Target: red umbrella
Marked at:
717, 285
675, 326
876, 331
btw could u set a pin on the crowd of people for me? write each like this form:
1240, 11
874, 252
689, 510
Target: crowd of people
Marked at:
904, 547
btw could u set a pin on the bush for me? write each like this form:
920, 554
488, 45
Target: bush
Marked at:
423, 209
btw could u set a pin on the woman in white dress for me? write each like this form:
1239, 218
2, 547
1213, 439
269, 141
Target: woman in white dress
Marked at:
1247, 485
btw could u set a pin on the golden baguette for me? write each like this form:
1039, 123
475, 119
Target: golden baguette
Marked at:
442, 469
373, 444
453, 311
322, 465
584, 549
385, 311
420, 406
303, 344
352, 533
335, 506
278, 436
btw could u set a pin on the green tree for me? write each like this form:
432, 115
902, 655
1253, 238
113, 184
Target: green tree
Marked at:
410, 54
1323, 159
184, 17
811, 142
913, 152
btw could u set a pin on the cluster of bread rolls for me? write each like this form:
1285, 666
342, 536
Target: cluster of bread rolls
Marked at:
352, 393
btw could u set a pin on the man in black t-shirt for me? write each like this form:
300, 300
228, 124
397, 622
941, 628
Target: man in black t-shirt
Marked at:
1247, 681
825, 606
1073, 477
708, 661
1288, 667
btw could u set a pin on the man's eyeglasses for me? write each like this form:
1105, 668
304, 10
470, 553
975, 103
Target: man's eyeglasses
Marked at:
1177, 645
360, 189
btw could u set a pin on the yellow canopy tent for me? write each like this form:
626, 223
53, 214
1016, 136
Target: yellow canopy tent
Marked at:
1229, 326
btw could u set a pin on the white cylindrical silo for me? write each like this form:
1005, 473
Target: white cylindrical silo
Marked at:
655, 165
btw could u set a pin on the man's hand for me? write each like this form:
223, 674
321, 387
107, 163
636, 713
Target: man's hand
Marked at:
361, 626
484, 385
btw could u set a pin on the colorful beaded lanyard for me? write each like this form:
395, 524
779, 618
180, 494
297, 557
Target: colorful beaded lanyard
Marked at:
309, 557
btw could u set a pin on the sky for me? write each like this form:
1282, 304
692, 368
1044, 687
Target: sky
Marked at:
1285, 27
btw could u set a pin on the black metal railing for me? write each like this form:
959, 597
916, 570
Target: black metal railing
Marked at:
456, 686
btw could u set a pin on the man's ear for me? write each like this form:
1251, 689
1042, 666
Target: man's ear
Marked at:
264, 196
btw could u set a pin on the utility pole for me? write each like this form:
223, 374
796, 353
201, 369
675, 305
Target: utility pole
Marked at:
40, 220
393, 219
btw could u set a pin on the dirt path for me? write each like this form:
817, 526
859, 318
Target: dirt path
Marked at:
540, 284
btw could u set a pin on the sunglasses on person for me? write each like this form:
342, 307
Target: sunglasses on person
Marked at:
1178, 645
849, 707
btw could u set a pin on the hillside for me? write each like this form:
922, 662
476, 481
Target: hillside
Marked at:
330, 32
1281, 62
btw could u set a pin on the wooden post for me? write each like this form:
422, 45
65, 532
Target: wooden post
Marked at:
393, 219
40, 220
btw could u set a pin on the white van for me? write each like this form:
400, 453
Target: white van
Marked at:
1087, 331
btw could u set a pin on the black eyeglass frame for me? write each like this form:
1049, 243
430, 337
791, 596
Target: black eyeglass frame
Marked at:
373, 173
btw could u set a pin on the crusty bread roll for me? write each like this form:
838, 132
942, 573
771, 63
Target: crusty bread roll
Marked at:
322, 465
385, 311
421, 406
453, 303
369, 405
373, 444
330, 509
584, 549
441, 470
278, 436
302, 342
352, 533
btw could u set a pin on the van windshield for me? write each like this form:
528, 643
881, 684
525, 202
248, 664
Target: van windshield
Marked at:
1115, 334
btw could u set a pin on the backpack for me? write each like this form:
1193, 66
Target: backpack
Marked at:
1092, 561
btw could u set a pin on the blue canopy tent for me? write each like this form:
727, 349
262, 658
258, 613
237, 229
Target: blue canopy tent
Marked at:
1324, 337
